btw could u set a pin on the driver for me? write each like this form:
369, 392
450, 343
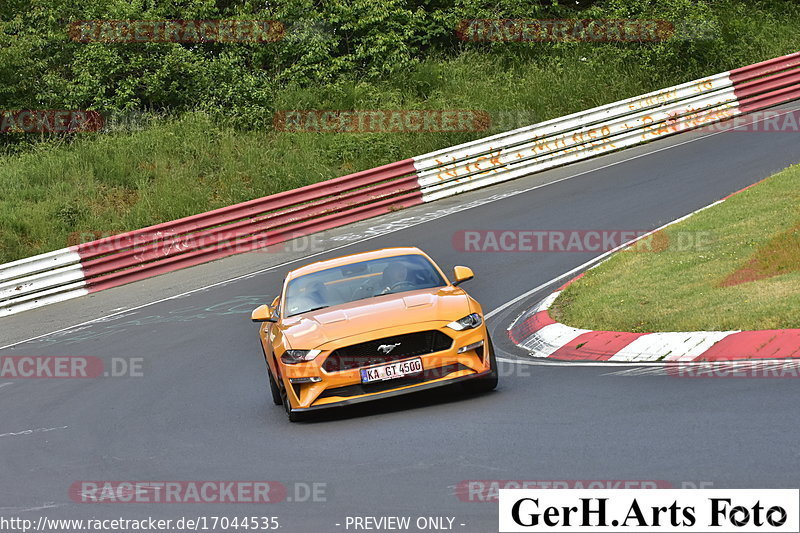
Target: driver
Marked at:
393, 274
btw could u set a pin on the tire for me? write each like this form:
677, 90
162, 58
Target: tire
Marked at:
488, 383
273, 385
274, 389
293, 416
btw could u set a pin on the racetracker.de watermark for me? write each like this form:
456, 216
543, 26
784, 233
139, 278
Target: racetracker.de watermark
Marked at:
382, 120
582, 30
553, 240
50, 121
578, 241
69, 367
747, 369
488, 490
767, 121
158, 244
208, 491
176, 31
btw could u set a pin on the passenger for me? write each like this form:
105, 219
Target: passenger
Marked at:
310, 294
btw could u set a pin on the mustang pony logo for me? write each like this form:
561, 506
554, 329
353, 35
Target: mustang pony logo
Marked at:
386, 348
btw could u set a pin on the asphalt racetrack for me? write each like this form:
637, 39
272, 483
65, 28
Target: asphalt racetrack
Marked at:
201, 409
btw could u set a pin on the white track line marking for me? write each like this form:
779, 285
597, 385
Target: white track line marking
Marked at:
514, 193
718, 367
48, 505
550, 362
4, 385
31, 431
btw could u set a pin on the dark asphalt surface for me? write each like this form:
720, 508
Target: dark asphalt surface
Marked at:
201, 411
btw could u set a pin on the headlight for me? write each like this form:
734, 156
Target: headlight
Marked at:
468, 322
292, 357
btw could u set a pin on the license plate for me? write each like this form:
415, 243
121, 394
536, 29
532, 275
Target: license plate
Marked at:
391, 370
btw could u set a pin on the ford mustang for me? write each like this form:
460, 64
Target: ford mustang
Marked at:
372, 325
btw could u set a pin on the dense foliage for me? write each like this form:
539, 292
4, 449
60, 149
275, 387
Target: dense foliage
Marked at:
329, 41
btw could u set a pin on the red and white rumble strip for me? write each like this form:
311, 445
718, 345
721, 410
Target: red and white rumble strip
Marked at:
537, 332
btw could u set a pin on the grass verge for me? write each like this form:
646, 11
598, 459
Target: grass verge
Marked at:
733, 266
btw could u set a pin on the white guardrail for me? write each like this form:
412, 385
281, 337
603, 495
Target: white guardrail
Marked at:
40, 280
582, 135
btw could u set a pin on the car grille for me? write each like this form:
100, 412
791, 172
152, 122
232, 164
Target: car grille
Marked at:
367, 353
381, 386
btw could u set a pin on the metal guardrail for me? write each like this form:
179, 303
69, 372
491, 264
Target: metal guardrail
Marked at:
136, 255
608, 128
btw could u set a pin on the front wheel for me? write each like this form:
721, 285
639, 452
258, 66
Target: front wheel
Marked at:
273, 386
488, 383
274, 389
292, 415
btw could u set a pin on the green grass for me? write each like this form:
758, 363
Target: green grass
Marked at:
687, 286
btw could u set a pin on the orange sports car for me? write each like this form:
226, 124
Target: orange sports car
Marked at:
369, 326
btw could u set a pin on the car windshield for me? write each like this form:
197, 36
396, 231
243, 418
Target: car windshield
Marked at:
356, 281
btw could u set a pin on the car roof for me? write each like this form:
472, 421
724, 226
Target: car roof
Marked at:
354, 258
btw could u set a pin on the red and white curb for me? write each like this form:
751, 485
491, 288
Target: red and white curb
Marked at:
541, 336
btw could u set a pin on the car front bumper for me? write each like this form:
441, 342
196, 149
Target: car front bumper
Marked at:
368, 397
346, 387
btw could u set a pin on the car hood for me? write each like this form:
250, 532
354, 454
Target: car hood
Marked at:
311, 330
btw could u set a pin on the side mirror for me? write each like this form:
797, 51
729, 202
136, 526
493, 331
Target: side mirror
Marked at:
263, 314
462, 274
